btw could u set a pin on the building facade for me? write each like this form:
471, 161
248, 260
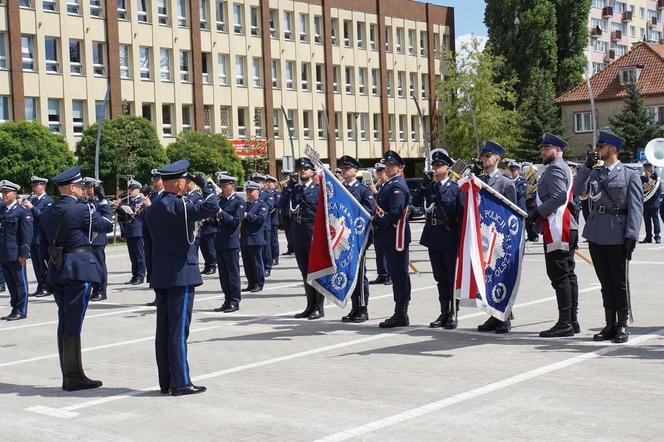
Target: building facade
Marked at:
616, 25
342, 72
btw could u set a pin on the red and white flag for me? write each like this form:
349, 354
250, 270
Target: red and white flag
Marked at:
471, 268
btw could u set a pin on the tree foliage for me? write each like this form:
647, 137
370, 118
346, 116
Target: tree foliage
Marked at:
473, 81
129, 146
28, 148
635, 124
572, 40
207, 153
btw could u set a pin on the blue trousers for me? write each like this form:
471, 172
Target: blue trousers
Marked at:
17, 282
228, 262
39, 266
100, 254
275, 241
174, 306
443, 264
2, 279
287, 230
397, 265
381, 262
72, 298
361, 291
651, 219
137, 257
208, 250
252, 260
267, 249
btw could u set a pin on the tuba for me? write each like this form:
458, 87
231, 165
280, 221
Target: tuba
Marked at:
531, 177
654, 152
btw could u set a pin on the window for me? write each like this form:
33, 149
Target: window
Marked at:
122, 9
186, 117
317, 29
73, 7
275, 74
30, 109
54, 115
335, 31
582, 122
255, 27
184, 66
205, 67
49, 5
320, 118
320, 78
337, 125
146, 111
304, 74
4, 109
125, 58
225, 126
412, 84
239, 70
360, 34
600, 46
258, 122
306, 124
619, 50
303, 27
403, 128
373, 29
28, 52
629, 75
411, 42
350, 126
165, 64
401, 79
96, 8
182, 13
257, 64
390, 127
276, 123
290, 73
144, 62
436, 44
291, 122
51, 52
388, 38
162, 12
274, 23
221, 16
203, 13
336, 73
390, 80
98, 66
414, 133
599, 3
362, 81
242, 122
142, 8
238, 19
363, 127
348, 33
598, 67
288, 25
399, 40
425, 86
127, 107
25, 4
167, 119
349, 79
207, 119
657, 113
423, 43
77, 116
75, 60
376, 126
222, 66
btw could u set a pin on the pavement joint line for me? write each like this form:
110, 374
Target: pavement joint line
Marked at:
483, 390
68, 412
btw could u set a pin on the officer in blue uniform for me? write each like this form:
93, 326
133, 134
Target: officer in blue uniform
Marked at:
363, 195
651, 206
171, 238
93, 191
16, 233
392, 232
612, 228
381, 265
284, 211
37, 202
302, 205
271, 185
252, 237
67, 229
267, 196
156, 191
227, 243
520, 184
443, 206
132, 227
207, 233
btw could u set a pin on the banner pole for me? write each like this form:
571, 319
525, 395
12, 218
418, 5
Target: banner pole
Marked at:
502, 198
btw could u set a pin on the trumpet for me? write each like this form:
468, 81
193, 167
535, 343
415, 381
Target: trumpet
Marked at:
531, 178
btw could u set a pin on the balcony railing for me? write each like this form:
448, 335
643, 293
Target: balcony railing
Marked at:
610, 55
616, 35
596, 32
607, 12
627, 16
653, 22
660, 4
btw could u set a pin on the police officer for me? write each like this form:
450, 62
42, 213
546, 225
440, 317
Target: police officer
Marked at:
252, 237
67, 229
612, 229
302, 205
132, 226
93, 192
271, 185
392, 233
490, 156
267, 196
207, 234
443, 204
155, 193
171, 237
16, 231
37, 202
651, 207
554, 215
520, 184
227, 243
381, 264
362, 193
284, 211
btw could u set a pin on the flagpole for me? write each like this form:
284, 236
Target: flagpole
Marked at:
502, 198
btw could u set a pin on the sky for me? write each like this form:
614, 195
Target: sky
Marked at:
468, 17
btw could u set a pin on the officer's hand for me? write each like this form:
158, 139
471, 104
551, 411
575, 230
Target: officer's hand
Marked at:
533, 214
427, 179
26, 204
99, 191
200, 179
591, 159
147, 202
630, 244
21, 261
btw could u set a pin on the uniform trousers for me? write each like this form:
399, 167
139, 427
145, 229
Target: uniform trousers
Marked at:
361, 292
16, 279
610, 262
443, 264
228, 263
275, 241
254, 270
208, 251
560, 270
397, 266
381, 263
287, 230
302, 258
137, 257
72, 298
651, 219
267, 249
100, 254
39, 266
174, 306
2, 280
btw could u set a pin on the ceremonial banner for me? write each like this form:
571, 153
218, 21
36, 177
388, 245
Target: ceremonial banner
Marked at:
340, 235
490, 250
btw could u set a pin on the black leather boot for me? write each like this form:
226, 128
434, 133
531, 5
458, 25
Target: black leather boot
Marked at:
562, 328
575, 319
609, 330
622, 334
311, 302
353, 310
444, 314
452, 320
489, 325
398, 319
319, 310
73, 376
361, 315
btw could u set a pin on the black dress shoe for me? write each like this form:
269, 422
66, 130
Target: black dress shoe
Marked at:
287, 253
658, 241
99, 297
451, 323
621, 336
489, 325
645, 241
504, 327
439, 322
378, 280
131, 281
151, 303
14, 317
275, 262
247, 289
268, 273
256, 289
223, 307
189, 389
349, 317
79, 382
137, 281
165, 390
360, 316
42, 294
559, 330
316, 314
388, 281
606, 334
576, 327
231, 309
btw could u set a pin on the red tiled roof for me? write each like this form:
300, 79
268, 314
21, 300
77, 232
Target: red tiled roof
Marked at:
606, 84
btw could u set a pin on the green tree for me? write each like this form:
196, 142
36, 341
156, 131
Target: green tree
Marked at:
572, 40
207, 153
28, 148
129, 146
473, 80
635, 124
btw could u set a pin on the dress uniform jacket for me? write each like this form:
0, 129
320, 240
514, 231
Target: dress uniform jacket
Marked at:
502, 184
38, 205
393, 199
228, 222
133, 228
652, 203
443, 219
554, 192
252, 229
521, 187
16, 232
303, 203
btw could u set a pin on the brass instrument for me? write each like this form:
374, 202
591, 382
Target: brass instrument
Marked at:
654, 152
599, 163
531, 177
